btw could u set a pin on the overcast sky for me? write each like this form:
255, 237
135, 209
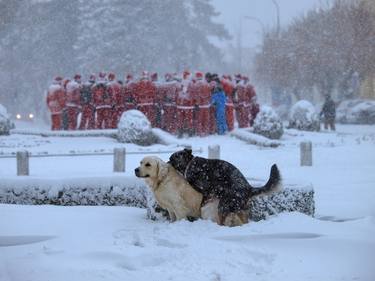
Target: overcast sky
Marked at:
233, 13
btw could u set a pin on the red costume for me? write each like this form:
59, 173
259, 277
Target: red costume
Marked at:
229, 106
87, 104
56, 103
73, 101
170, 90
144, 95
185, 107
103, 104
129, 93
201, 94
115, 91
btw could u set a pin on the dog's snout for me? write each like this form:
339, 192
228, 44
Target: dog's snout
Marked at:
136, 171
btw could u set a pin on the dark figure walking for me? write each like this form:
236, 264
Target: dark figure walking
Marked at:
329, 112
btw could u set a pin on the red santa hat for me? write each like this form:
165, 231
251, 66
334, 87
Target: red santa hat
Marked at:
199, 75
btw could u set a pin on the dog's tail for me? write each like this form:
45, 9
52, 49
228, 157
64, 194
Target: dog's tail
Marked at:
272, 185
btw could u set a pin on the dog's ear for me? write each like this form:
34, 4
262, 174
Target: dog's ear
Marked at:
188, 150
162, 170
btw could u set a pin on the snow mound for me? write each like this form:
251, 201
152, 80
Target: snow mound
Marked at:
356, 112
5, 124
303, 116
134, 127
268, 123
255, 139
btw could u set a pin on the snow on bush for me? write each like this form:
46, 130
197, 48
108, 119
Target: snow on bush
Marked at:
128, 191
303, 116
131, 191
356, 112
5, 124
134, 127
289, 199
268, 123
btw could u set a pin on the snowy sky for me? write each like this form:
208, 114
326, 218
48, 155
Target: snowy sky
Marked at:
233, 15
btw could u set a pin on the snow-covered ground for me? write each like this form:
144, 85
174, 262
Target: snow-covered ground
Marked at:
119, 243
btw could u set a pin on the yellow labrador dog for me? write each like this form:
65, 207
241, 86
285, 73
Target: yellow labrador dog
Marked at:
171, 190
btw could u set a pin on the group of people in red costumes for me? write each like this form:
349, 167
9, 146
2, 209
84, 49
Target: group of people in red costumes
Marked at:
178, 104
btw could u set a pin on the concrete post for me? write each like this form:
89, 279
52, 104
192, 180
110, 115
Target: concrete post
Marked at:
306, 153
214, 152
22, 163
119, 159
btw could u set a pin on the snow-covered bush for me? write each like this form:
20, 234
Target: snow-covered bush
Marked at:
303, 116
134, 127
131, 191
5, 124
356, 112
268, 123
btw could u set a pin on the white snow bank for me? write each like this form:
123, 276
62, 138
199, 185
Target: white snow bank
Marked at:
118, 243
255, 139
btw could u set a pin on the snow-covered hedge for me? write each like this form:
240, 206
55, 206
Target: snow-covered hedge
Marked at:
5, 124
303, 116
128, 191
288, 200
356, 112
134, 127
268, 123
131, 191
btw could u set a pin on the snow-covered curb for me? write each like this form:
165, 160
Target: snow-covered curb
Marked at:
131, 191
78, 133
251, 138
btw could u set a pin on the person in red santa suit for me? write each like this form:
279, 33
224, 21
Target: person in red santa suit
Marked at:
201, 93
87, 104
56, 102
250, 100
103, 103
185, 107
129, 88
144, 95
170, 90
73, 101
114, 90
226, 81
242, 109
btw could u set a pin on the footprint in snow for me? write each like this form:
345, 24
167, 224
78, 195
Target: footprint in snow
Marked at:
290, 235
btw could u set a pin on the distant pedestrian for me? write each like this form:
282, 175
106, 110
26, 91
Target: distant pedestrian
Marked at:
329, 113
218, 100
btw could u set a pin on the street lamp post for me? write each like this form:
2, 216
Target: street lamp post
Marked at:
277, 16
258, 21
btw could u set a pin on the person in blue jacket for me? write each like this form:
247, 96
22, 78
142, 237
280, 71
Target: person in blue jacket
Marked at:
218, 100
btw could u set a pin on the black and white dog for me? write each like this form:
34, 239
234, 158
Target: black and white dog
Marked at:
222, 185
